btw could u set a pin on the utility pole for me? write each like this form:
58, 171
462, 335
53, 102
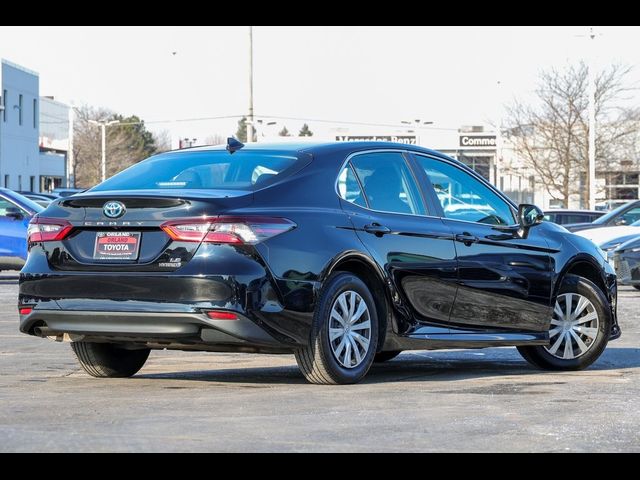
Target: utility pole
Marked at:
70, 173
103, 124
250, 128
592, 125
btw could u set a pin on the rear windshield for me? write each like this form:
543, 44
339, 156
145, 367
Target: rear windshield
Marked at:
198, 170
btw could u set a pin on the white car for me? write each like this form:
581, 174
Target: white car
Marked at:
609, 238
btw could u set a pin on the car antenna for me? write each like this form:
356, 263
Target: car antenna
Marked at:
234, 145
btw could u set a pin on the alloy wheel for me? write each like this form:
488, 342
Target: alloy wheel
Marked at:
349, 329
574, 326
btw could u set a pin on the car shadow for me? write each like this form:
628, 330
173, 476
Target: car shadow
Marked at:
410, 367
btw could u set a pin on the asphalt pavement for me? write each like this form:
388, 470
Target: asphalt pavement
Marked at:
464, 400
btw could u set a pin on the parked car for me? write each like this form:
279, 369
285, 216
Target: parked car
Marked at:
610, 238
40, 198
341, 253
623, 215
563, 216
15, 213
626, 261
66, 192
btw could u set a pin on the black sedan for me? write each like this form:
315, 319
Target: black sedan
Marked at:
340, 253
563, 216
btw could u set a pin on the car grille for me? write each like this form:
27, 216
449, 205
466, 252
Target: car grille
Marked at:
622, 270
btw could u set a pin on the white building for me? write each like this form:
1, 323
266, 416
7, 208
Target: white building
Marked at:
54, 143
34, 133
19, 154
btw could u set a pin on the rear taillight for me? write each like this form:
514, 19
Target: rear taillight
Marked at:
47, 229
234, 230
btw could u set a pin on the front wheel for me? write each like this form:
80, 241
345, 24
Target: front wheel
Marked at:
344, 333
637, 287
579, 329
106, 360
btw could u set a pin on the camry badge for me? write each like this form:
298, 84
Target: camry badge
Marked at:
113, 209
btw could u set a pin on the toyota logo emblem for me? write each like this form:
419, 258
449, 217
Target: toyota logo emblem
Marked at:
113, 209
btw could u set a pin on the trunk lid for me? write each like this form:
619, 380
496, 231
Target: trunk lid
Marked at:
128, 237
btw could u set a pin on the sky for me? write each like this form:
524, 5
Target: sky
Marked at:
451, 76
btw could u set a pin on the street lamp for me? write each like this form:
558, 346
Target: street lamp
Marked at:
103, 124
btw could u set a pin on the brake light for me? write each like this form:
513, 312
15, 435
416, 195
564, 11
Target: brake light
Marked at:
217, 315
232, 230
47, 229
25, 310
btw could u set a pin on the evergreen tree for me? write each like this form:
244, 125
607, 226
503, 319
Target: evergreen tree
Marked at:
305, 132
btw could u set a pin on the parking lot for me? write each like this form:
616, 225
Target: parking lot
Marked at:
475, 400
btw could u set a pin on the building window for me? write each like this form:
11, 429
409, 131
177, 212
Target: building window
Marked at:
19, 183
20, 109
6, 181
4, 103
32, 183
35, 113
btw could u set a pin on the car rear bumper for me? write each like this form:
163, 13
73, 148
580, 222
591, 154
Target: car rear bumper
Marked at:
161, 328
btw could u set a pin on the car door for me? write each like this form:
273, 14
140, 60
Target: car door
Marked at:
381, 196
504, 278
13, 232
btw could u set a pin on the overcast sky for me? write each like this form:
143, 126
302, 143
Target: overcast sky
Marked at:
449, 75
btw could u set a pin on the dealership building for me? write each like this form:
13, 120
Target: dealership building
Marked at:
34, 133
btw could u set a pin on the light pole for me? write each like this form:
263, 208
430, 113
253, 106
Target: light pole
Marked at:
250, 128
103, 124
592, 126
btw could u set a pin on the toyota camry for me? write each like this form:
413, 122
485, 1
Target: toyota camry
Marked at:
342, 254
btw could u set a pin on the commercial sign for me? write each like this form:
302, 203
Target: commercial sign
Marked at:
477, 140
406, 139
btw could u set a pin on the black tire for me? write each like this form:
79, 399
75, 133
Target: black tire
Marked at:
386, 356
541, 358
106, 360
637, 287
316, 360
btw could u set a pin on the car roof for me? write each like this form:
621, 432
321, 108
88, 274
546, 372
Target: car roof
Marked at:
313, 147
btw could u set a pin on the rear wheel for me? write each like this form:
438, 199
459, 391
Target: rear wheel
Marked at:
344, 334
386, 356
106, 360
579, 329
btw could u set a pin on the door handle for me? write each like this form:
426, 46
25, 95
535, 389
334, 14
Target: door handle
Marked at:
377, 229
467, 238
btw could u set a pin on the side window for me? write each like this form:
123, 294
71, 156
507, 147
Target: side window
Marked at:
463, 197
388, 183
349, 188
631, 216
6, 207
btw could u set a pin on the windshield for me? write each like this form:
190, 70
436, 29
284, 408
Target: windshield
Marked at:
613, 213
201, 170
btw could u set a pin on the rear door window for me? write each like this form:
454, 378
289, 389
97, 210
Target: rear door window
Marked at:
388, 183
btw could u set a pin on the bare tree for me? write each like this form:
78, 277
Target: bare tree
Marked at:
126, 143
552, 136
216, 139
162, 141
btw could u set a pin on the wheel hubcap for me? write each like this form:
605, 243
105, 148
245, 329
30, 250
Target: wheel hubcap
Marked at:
574, 326
349, 329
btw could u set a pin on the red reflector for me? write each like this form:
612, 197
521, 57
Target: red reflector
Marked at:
25, 310
222, 315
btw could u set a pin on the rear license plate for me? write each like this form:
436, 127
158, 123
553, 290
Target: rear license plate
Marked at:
117, 246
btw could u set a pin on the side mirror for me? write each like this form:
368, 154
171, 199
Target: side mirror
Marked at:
529, 215
15, 213
621, 221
